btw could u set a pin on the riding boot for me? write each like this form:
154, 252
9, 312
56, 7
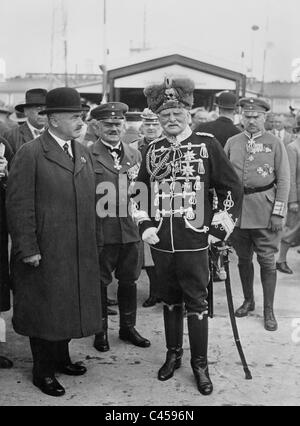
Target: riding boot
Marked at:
198, 335
173, 321
127, 300
268, 280
101, 339
152, 299
247, 279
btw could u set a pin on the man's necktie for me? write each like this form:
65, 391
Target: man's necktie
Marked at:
116, 152
37, 133
66, 149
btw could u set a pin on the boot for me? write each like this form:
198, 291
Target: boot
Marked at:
5, 362
101, 339
127, 308
268, 280
173, 321
247, 279
152, 299
198, 335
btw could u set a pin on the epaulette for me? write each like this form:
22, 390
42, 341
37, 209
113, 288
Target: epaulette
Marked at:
157, 140
205, 134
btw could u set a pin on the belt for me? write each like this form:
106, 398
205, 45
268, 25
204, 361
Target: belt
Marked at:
253, 190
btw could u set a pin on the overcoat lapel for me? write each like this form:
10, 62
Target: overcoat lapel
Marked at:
80, 157
54, 153
103, 156
26, 133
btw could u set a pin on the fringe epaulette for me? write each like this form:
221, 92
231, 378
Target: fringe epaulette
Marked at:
205, 134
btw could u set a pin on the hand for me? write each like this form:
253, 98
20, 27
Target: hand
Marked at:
213, 240
276, 223
150, 237
293, 207
33, 260
3, 167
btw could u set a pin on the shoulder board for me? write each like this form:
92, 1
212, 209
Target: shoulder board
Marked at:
157, 140
205, 134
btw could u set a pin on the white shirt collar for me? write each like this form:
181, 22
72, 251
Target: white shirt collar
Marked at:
34, 129
62, 142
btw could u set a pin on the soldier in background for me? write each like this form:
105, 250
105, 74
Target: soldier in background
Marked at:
261, 162
35, 124
151, 130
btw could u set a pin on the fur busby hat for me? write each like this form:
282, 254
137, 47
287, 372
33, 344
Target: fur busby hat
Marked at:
173, 93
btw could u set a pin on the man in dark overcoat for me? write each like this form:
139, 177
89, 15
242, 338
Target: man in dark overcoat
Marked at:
179, 170
34, 124
5, 158
223, 127
51, 218
116, 165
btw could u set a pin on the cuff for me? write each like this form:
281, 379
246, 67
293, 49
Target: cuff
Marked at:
222, 225
279, 209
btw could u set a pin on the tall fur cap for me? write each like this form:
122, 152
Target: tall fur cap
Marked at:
176, 92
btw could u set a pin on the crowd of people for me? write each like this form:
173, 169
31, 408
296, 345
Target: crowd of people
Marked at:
192, 179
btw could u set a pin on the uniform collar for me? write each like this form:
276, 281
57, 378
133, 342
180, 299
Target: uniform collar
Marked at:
181, 137
254, 135
111, 147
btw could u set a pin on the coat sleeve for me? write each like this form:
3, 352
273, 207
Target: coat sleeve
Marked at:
141, 199
282, 170
293, 158
229, 191
20, 203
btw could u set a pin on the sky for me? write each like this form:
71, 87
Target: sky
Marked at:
218, 31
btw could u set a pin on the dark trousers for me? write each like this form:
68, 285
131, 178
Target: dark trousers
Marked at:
123, 259
48, 356
183, 277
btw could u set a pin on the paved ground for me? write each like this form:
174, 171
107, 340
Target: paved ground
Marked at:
127, 375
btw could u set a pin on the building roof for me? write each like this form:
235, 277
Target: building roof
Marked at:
277, 89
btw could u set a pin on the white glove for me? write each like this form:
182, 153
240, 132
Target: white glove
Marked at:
150, 237
213, 240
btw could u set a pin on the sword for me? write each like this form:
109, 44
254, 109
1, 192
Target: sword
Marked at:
223, 254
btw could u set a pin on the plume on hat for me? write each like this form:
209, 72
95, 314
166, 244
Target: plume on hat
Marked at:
172, 93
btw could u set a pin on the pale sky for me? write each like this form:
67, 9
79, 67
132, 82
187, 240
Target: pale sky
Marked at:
206, 29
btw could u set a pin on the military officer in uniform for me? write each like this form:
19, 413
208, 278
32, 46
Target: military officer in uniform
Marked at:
151, 130
261, 162
222, 128
116, 165
177, 173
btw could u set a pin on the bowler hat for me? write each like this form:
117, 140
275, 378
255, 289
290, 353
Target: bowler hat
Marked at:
226, 100
33, 97
63, 99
